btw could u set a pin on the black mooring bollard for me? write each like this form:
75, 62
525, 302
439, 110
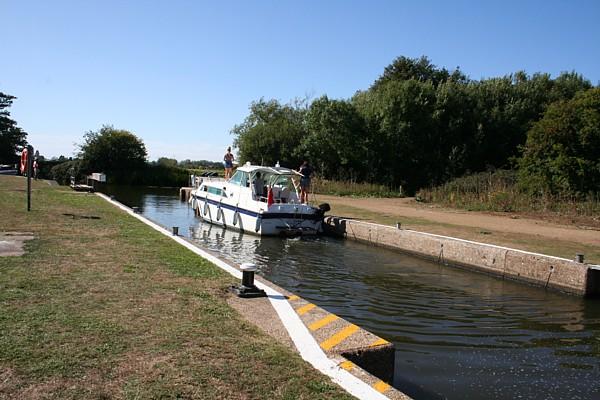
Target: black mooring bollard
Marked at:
175, 231
579, 257
248, 289
135, 210
248, 274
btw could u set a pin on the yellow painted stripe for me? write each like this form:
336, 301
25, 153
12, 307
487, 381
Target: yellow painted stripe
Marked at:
339, 337
293, 297
305, 309
381, 386
378, 342
347, 365
322, 322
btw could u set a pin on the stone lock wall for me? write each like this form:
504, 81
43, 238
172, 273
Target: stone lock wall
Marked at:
537, 269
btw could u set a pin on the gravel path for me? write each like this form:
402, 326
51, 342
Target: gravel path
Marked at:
409, 208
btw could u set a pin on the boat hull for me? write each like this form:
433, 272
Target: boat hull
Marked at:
284, 220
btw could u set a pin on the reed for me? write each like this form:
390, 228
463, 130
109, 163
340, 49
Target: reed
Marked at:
498, 191
351, 188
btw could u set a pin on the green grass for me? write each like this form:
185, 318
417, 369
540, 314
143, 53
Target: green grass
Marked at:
356, 189
498, 191
108, 308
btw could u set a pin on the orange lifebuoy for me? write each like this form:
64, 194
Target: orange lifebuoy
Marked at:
24, 161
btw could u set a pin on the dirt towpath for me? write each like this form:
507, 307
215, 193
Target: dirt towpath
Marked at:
503, 229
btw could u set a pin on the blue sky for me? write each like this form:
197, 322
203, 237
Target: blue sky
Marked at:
181, 74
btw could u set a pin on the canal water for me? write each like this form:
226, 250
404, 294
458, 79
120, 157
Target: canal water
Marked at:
458, 334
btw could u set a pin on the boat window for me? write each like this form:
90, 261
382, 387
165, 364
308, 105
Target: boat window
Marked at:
214, 190
244, 181
239, 178
236, 178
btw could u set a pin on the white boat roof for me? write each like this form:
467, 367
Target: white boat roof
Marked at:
272, 170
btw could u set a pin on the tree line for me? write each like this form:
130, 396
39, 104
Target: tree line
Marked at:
416, 126
118, 153
419, 125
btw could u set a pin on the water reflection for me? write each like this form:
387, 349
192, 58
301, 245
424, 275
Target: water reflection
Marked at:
458, 334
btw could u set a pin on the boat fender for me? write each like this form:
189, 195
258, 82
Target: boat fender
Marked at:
193, 201
236, 217
206, 209
220, 215
258, 224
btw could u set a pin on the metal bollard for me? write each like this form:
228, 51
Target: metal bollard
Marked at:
248, 270
175, 231
135, 210
579, 257
248, 289
398, 225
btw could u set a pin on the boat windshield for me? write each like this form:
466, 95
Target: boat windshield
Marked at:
284, 186
240, 178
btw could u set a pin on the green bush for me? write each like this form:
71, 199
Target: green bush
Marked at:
150, 175
499, 191
159, 175
62, 172
349, 188
562, 153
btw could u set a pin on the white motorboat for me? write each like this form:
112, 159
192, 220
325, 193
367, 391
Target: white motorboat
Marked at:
257, 199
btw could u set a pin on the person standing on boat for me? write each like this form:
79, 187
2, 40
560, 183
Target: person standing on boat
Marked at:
228, 162
306, 171
258, 186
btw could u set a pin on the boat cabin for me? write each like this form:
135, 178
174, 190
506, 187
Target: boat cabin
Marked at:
282, 181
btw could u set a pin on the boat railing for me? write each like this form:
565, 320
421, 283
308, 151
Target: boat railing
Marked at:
196, 180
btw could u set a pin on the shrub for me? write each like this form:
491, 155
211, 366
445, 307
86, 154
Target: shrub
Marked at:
561, 156
62, 172
349, 188
499, 191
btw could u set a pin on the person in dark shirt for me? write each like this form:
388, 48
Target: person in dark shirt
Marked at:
258, 186
306, 171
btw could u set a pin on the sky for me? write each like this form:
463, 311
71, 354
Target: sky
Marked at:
181, 74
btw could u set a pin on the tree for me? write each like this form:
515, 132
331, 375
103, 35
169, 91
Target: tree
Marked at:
12, 138
562, 152
420, 69
167, 162
336, 142
118, 153
399, 116
271, 132
417, 125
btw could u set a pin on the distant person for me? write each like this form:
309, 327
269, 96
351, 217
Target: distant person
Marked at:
228, 162
36, 168
258, 185
306, 171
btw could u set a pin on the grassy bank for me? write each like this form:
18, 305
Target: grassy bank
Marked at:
499, 192
355, 189
101, 306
